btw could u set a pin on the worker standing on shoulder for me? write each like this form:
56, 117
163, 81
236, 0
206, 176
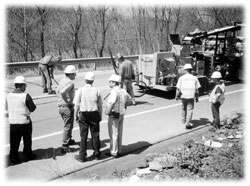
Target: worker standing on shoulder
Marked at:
126, 71
116, 107
187, 90
66, 94
19, 106
46, 67
88, 107
217, 98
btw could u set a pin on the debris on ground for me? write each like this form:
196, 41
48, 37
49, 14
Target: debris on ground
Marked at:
218, 155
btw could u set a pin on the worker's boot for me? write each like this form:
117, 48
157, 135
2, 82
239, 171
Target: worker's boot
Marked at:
51, 92
65, 148
45, 90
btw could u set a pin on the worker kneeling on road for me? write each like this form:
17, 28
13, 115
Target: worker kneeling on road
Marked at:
19, 106
217, 98
116, 107
46, 67
88, 106
66, 94
188, 90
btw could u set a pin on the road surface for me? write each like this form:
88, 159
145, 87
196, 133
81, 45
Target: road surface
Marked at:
156, 117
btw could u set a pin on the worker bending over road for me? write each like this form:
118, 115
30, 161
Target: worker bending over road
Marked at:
46, 67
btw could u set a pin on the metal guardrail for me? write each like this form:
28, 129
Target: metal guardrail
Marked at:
12, 69
68, 61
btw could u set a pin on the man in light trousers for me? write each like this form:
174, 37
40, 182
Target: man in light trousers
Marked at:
188, 90
116, 107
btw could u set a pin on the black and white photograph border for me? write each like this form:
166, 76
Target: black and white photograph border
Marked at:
144, 159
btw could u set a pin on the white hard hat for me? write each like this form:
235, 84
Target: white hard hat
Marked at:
187, 66
20, 79
115, 78
70, 69
90, 76
216, 74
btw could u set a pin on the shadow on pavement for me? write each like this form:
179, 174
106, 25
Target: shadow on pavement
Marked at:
161, 93
200, 122
42, 154
135, 148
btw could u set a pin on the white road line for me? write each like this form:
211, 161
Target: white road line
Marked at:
128, 116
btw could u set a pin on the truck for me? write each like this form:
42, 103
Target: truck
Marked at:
220, 49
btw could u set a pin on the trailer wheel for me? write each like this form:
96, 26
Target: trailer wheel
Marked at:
139, 88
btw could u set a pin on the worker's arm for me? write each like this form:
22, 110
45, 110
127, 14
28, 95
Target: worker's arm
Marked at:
111, 102
218, 93
77, 109
99, 104
178, 94
109, 108
6, 114
77, 101
30, 104
197, 95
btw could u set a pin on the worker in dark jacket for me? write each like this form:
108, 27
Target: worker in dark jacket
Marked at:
126, 71
19, 106
46, 67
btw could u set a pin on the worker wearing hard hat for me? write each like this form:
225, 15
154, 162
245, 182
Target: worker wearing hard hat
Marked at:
19, 106
126, 71
46, 67
187, 90
217, 98
88, 108
116, 107
66, 93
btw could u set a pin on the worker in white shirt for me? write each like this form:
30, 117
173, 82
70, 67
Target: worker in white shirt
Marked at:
116, 107
187, 90
88, 107
66, 94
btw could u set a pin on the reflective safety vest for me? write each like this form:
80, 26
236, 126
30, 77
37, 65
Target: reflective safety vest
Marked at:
17, 109
221, 98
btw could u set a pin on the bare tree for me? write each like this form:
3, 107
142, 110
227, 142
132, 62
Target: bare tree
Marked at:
99, 22
43, 15
75, 25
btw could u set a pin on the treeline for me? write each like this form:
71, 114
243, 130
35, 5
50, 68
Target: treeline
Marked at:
85, 31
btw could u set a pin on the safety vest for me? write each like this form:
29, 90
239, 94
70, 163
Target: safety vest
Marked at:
17, 109
221, 99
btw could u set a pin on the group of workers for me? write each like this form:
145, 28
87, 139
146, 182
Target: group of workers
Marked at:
187, 89
86, 107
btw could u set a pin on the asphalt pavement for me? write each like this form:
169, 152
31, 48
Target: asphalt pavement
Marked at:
154, 119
